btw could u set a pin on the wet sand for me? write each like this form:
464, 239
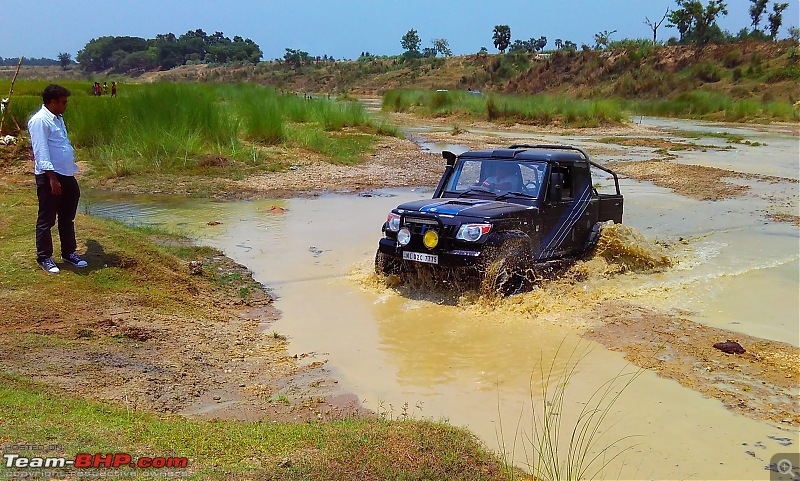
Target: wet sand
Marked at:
760, 383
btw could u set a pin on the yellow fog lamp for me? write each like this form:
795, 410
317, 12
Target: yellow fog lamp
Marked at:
430, 239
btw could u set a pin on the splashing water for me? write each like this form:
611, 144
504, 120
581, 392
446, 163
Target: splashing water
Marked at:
558, 297
628, 250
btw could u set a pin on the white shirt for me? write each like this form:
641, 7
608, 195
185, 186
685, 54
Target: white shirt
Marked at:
51, 147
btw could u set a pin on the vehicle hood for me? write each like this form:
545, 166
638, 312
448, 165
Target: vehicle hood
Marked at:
482, 208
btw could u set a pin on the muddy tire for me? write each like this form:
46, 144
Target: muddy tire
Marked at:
594, 238
505, 274
387, 265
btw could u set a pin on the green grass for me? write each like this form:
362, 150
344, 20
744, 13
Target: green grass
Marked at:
342, 450
534, 109
700, 104
203, 129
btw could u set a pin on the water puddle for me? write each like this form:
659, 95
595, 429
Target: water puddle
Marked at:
479, 364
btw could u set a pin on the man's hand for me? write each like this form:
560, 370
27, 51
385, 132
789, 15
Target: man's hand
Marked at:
55, 185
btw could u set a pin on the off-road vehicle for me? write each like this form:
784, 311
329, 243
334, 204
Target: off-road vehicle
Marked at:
498, 216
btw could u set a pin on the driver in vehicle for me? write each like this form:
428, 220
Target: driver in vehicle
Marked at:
506, 177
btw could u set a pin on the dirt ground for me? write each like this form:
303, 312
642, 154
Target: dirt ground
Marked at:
216, 359
760, 383
232, 366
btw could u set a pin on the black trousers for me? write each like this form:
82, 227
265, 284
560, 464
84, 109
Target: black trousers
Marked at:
64, 207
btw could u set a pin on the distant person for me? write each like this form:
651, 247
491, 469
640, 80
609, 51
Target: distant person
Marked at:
113, 89
56, 186
105, 88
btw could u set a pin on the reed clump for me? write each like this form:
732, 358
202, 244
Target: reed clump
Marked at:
700, 104
171, 128
531, 109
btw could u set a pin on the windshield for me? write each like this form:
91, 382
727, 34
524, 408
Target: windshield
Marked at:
496, 177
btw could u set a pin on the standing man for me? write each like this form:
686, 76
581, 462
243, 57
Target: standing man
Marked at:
56, 187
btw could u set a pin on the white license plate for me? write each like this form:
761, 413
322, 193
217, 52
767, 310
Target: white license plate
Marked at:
420, 257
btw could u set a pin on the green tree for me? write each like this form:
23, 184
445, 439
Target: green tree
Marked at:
530, 45
757, 10
143, 60
64, 59
442, 47
295, 58
410, 41
602, 39
501, 37
97, 54
168, 51
194, 45
776, 18
698, 24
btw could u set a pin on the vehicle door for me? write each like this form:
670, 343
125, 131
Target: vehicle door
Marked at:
566, 211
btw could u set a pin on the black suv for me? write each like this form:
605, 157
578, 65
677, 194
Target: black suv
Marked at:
499, 215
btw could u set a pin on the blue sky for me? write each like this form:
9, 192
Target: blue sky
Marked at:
342, 29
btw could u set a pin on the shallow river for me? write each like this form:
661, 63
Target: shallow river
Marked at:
479, 365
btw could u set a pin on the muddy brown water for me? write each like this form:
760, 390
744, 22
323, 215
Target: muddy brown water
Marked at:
479, 364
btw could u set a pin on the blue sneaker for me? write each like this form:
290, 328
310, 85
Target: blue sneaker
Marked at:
49, 266
75, 260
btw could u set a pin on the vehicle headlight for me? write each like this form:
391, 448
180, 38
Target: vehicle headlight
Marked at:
472, 232
393, 222
403, 236
430, 239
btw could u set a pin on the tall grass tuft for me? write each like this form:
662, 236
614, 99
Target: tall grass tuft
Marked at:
166, 128
261, 120
549, 432
700, 104
536, 109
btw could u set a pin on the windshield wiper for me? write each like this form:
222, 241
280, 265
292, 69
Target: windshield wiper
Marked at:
476, 189
516, 194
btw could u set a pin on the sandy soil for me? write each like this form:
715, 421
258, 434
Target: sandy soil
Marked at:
761, 383
395, 163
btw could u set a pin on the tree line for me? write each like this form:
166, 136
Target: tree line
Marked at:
696, 24
128, 54
39, 62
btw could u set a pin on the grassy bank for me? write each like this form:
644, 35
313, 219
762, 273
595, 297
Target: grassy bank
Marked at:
343, 450
716, 106
142, 276
562, 110
536, 109
227, 131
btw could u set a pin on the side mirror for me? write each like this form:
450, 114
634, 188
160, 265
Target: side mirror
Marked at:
554, 190
449, 157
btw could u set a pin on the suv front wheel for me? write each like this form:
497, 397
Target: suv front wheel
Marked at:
505, 270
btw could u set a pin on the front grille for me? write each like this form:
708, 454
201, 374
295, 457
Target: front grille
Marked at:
418, 226
421, 220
